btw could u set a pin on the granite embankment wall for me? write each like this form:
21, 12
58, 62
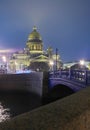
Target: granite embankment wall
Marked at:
69, 113
36, 82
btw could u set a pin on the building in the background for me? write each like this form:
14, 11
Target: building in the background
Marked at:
34, 57
77, 64
4, 60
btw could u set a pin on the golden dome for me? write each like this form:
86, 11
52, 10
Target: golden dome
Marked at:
34, 35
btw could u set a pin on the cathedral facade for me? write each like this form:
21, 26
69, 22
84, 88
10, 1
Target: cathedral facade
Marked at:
34, 57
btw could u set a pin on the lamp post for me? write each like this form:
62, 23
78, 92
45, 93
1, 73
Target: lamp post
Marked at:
82, 63
56, 57
5, 61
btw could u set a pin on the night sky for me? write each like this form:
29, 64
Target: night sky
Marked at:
63, 24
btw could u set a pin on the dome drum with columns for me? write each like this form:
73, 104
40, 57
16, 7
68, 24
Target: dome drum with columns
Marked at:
34, 42
33, 56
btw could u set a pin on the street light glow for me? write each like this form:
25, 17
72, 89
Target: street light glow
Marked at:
51, 63
4, 58
82, 62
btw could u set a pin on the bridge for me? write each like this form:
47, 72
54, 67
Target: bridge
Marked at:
73, 80
62, 81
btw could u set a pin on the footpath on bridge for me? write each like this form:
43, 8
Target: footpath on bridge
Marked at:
69, 113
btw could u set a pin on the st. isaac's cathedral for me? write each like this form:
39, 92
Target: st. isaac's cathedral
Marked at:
34, 57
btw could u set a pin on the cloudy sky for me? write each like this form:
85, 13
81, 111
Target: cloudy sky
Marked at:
63, 24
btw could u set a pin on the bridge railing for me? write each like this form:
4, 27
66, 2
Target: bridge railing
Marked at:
82, 76
88, 77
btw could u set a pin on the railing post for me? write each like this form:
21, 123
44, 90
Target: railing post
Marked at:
86, 78
60, 73
69, 73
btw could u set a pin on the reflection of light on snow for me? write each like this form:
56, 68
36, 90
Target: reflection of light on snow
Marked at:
4, 113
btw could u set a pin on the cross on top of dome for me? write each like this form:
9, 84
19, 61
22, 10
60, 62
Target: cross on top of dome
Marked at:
34, 28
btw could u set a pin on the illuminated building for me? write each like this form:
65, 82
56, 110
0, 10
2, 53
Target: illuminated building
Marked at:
81, 62
34, 57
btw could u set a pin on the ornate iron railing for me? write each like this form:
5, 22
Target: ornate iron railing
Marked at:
82, 76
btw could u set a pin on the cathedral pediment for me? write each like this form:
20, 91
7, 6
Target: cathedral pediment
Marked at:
40, 58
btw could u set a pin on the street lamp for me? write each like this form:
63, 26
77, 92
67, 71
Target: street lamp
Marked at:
51, 63
82, 62
5, 61
4, 58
